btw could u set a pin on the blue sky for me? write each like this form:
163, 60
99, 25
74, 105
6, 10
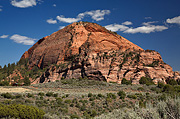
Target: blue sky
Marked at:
151, 24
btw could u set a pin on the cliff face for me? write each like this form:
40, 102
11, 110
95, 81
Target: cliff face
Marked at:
89, 50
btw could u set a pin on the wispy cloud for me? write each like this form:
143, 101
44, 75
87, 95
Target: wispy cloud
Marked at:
175, 20
146, 28
96, 15
54, 5
4, 36
148, 18
22, 39
127, 23
61, 27
149, 23
51, 21
0, 8
116, 27
67, 20
23, 3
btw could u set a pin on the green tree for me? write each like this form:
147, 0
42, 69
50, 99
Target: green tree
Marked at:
4, 83
172, 82
27, 82
125, 81
146, 80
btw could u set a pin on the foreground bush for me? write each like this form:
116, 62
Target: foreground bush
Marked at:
20, 111
169, 109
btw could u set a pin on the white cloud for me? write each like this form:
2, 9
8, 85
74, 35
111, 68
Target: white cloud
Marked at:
23, 3
22, 39
54, 5
4, 36
146, 29
51, 21
96, 15
0, 8
116, 27
61, 27
148, 18
175, 20
67, 20
149, 23
127, 23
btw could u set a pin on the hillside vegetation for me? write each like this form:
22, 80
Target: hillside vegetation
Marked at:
83, 98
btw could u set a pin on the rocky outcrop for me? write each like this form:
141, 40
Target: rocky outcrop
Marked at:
89, 50
112, 67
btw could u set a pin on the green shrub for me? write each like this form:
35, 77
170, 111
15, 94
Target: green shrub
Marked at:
4, 83
27, 82
20, 111
160, 85
18, 96
7, 95
162, 97
91, 99
93, 103
77, 105
168, 88
108, 100
71, 105
55, 95
30, 95
125, 81
111, 95
63, 110
93, 113
28, 101
147, 81
140, 89
132, 96
122, 94
41, 94
142, 104
100, 95
83, 108
177, 88
74, 116
172, 82
178, 81
74, 100
67, 101
59, 100
49, 94
90, 94
41, 98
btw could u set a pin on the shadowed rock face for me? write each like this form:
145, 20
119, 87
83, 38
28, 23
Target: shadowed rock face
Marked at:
89, 50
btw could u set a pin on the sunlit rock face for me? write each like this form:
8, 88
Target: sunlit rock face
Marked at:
89, 50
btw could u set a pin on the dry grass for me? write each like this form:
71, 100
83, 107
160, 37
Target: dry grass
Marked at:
14, 90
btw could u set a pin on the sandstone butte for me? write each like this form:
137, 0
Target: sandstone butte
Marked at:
89, 50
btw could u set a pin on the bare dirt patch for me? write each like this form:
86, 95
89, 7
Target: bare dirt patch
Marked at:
14, 90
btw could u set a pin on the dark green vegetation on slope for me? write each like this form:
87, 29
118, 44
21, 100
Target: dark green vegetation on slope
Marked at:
19, 73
